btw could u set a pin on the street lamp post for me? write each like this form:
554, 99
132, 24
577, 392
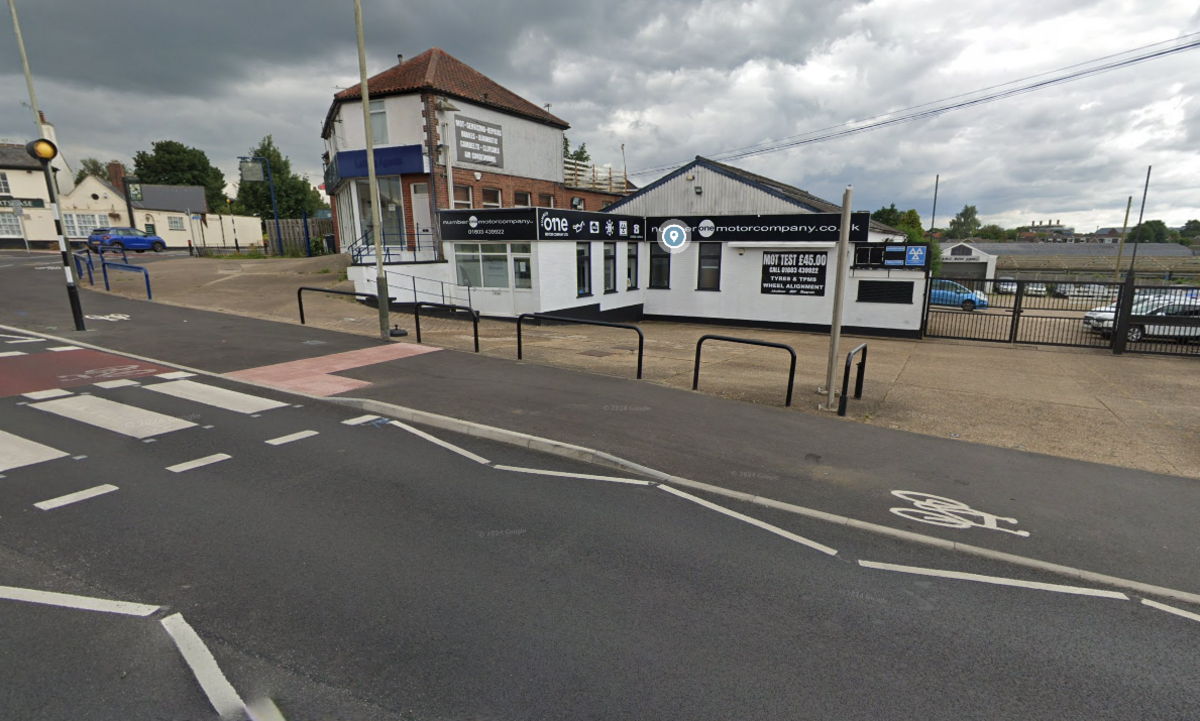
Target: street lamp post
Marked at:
274, 208
44, 151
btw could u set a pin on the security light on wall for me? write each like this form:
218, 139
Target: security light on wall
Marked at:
478, 176
699, 190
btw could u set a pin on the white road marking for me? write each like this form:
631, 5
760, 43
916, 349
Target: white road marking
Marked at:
113, 416
11, 353
75, 497
16, 452
753, 521
1171, 609
235, 401
359, 420
220, 692
175, 375
46, 394
292, 437
265, 709
61, 348
199, 462
448, 446
26, 340
995, 580
116, 384
564, 474
82, 603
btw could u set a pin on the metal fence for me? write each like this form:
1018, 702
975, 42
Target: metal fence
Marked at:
1065, 314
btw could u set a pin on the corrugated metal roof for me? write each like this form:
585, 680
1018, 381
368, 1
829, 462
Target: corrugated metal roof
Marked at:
1075, 249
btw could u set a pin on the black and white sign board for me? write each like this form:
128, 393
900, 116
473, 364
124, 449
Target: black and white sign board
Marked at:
561, 224
794, 273
793, 228
479, 142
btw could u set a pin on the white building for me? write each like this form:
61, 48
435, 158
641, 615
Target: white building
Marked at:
762, 254
966, 261
23, 184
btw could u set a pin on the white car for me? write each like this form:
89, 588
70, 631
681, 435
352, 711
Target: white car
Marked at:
1035, 289
1100, 320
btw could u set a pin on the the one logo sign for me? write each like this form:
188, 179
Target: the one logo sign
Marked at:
707, 228
916, 255
473, 222
674, 236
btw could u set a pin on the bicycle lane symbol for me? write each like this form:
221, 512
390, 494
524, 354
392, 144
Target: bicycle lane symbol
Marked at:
949, 513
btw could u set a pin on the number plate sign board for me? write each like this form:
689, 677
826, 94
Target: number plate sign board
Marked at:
556, 224
479, 142
794, 272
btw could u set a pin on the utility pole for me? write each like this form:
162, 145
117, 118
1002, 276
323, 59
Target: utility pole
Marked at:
1121, 247
381, 290
1141, 213
33, 103
839, 292
933, 219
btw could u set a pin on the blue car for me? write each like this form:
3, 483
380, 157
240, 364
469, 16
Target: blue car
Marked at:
947, 292
127, 238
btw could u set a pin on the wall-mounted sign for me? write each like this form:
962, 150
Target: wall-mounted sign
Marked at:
488, 225
561, 224
798, 273
479, 142
11, 202
961, 259
794, 228
890, 255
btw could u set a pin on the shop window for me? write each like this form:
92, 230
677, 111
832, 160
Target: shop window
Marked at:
631, 266
522, 199
610, 267
660, 267
522, 266
491, 198
545, 200
462, 196
174, 222
710, 267
482, 265
379, 122
583, 268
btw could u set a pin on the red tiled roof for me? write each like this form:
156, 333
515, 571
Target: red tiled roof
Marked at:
437, 70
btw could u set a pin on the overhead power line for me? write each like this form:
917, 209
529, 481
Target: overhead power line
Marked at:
1021, 86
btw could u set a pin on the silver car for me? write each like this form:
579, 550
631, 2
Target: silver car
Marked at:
1100, 320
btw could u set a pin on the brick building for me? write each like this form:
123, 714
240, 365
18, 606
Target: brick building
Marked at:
447, 137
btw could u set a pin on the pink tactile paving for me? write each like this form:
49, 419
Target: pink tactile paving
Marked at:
312, 375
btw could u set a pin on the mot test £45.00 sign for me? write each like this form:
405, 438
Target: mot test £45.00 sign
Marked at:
794, 273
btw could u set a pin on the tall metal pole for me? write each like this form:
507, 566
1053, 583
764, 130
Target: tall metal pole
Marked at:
33, 103
1141, 213
933, 220
839, 292
1121, 247
125, 181
381, 293
274, 208
44, 151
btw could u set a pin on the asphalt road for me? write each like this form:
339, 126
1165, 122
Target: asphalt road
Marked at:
365, 571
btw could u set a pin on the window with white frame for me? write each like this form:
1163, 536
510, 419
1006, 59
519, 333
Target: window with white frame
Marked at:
174, 222
10, 226
462, 196
379, 122
491, 198
4, 183
482, 265
522, 199
80, 225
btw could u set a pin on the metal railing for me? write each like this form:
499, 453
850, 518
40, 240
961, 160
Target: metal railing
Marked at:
601, 323
746, 341
858, 383
446, 306
364, 247
441, 287
104, 266
79, 266
100, 250
300, 297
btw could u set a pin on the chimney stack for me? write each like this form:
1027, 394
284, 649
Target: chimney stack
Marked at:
400, 58
116, 175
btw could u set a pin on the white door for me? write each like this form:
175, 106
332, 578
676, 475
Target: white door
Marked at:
420, 207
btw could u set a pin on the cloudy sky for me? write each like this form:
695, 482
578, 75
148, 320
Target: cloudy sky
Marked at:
670, 79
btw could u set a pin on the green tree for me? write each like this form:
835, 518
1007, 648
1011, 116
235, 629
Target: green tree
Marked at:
910, 222
1191, 229
1152, 231
95, 168
579, 155
965, 223
993, 232
172, 163
293, 193
888, 216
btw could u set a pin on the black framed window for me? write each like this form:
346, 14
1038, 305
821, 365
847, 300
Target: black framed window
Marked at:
710, 267
610, 267
660, 267
631, 267
583, 268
